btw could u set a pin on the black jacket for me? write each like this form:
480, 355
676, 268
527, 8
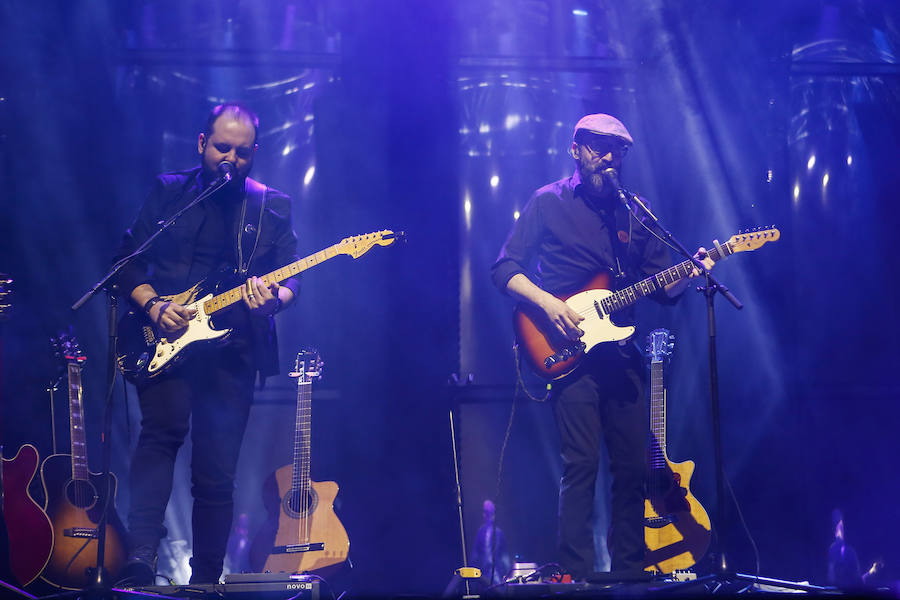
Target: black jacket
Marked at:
170, 266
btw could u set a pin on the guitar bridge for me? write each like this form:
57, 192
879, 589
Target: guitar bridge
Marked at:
81, 532
294, 548
660, 522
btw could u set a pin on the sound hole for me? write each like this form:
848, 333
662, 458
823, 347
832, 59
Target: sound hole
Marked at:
295, 506
81, 493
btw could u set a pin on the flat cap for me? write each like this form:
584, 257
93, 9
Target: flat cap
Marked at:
602, 124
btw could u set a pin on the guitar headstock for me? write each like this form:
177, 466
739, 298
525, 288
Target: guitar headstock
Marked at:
358, 245
66, 349
6, 287
308, 365
660, 344
751, 240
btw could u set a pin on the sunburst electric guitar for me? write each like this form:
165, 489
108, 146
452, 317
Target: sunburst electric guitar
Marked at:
144, 352
309, 536
676, 526
552, 357
75, 498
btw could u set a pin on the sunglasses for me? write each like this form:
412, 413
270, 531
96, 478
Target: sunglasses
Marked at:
602, 146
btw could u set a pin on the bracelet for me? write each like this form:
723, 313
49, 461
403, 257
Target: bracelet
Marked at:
149, 303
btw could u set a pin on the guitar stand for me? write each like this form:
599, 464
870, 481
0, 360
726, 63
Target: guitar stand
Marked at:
9, 588
465, 572
723, 578
101, 588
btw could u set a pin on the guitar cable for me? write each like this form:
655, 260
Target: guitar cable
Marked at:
744, 524
520, 385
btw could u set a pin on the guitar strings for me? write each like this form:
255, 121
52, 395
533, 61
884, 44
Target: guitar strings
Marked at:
592, 310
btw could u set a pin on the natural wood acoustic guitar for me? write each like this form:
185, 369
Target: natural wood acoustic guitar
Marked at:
302, 533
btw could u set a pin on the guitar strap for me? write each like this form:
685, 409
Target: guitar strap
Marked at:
621, 241
250, 225
618, 224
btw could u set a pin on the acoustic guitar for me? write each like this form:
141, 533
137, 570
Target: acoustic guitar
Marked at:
143, 351
29, 530
302, 533
28, 533
553, 356
676, 526
75, 498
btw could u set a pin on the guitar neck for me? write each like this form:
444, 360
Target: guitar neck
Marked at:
76, 424
300, 476
628, 296
226, 299
657, 417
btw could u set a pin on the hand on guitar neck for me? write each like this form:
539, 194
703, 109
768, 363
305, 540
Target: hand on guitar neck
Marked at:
564, 317
172, 317
557, 333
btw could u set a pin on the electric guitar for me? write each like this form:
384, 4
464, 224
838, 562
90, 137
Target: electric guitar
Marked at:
28, 528
144, 351
553, 356
309, 536
75, 498
676, 526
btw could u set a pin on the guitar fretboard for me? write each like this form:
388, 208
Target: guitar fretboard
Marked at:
657, 417
628, 296
76, 424
300, 478
226, 299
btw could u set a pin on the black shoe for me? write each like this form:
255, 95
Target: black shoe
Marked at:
140, 570
205, 571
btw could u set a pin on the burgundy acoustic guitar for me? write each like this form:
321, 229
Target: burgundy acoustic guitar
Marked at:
28, 527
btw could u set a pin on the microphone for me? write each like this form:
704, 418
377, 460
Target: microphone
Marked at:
226, 170
610, 175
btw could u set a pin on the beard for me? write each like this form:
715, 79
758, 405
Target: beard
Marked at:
592, 178
211, 171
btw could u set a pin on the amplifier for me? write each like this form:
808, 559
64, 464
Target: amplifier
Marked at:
264, 586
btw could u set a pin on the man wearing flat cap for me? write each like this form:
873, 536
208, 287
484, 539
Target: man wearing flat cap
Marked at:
569, 231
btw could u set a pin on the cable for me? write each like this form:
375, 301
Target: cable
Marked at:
744, 524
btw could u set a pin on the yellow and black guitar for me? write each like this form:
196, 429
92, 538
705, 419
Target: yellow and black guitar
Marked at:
676, 526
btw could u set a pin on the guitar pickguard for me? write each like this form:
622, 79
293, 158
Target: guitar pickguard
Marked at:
144, 352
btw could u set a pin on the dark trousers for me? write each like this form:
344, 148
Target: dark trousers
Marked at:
209, 394
602, 401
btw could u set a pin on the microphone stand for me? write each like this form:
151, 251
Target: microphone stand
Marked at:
100, 584
721, 571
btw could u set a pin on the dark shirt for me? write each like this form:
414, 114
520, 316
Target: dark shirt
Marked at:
843, 565
563, 238
203, 242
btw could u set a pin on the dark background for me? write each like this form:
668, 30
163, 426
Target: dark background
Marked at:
439, 119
